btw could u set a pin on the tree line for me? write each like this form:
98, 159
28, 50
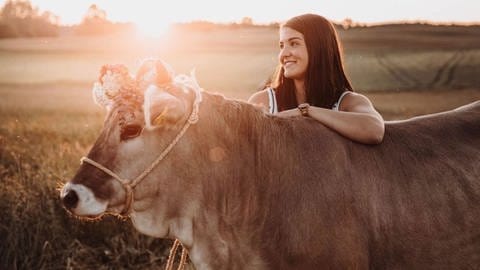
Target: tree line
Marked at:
18, 18
21, 19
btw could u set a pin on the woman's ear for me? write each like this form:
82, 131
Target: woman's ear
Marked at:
161, 108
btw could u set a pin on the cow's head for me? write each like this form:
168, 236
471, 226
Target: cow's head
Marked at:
144, 116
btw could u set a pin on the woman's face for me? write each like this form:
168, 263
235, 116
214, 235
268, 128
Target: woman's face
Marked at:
293, 55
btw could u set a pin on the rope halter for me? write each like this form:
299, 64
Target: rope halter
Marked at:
128, 185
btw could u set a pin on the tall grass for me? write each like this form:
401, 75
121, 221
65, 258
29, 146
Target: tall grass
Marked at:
40, 147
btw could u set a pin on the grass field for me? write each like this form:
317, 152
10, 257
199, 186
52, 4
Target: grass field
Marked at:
377, 59
48, 120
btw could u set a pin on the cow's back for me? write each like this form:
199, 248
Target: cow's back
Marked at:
443, 145
420, 192
412, 202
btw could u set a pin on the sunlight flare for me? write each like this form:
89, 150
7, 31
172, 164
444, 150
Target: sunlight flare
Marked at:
149, 28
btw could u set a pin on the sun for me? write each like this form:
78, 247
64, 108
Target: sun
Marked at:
152, 28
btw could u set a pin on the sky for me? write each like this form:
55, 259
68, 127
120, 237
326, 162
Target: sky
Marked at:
151, 13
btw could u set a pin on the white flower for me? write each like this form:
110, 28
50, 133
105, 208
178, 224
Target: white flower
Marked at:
112, 83
99, 95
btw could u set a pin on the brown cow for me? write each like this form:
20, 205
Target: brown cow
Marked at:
243, 189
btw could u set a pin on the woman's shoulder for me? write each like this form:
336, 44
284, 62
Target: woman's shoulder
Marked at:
261, 97
352, 101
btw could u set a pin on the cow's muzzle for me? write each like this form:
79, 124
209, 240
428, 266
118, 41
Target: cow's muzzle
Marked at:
127, 185
81, 201
70, 199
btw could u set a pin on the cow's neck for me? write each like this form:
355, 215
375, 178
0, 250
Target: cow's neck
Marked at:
222, 229
221, 210
234, 147
214, 240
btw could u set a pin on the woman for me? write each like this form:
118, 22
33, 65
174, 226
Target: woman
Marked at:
310, 81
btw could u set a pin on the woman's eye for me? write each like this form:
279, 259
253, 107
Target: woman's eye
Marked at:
130, 131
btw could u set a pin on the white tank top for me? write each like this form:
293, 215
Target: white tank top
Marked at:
272, 101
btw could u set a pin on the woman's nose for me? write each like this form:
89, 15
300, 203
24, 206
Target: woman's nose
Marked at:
284, 52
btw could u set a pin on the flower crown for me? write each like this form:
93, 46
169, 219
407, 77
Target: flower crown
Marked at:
115, 84
114, 81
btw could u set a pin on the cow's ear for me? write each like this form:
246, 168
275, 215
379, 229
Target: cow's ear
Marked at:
154, 71
164, 72
161, 108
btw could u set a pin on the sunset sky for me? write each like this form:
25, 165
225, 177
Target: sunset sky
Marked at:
147, 13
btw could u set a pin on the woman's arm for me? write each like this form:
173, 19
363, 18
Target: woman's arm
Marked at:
356, 119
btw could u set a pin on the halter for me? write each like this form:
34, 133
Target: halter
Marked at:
128, 185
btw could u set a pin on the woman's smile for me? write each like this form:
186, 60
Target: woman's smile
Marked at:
288, 63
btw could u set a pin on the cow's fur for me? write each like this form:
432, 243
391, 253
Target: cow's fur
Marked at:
303, 197
244, 189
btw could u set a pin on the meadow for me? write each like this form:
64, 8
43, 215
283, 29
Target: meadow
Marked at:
48, 120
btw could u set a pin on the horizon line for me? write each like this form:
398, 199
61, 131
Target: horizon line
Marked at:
353, 22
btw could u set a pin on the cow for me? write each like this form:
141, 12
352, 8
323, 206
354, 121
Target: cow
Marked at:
245, 189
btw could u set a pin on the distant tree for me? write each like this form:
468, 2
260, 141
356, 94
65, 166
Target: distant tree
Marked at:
274, 25
95, 14
95, 22
247, 21
347, 23
18, 10
18, 18
48, 16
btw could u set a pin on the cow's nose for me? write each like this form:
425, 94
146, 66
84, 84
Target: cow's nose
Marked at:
71, 199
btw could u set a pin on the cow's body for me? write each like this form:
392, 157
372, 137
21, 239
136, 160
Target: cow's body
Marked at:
247, 190
295, 195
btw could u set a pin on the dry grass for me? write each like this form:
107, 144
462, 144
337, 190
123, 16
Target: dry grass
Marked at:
39, 149
382, 58
48, 122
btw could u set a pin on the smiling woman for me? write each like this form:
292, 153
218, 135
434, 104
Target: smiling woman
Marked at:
310, 81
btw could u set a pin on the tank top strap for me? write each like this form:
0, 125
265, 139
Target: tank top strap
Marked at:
272, 101
336, 106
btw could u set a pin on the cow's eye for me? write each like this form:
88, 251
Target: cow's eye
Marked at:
130, 131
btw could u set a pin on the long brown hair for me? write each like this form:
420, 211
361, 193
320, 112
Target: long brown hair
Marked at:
325, 78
